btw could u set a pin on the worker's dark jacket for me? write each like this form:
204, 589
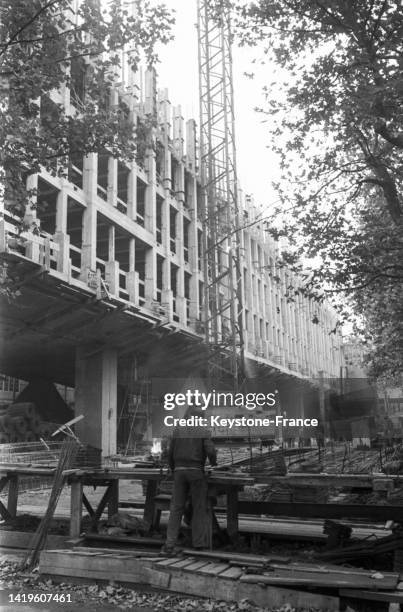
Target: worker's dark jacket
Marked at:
190, 452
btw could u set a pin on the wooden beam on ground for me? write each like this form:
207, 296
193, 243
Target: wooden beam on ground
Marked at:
372, 513
12, 495
76, 507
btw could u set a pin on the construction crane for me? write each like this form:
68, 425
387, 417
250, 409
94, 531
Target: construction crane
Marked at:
223, 286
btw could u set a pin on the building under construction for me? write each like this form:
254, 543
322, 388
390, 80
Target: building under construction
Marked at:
143, 270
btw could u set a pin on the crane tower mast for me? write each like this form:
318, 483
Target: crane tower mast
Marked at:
223, 287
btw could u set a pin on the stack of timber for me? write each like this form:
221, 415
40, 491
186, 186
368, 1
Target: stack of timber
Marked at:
262, 580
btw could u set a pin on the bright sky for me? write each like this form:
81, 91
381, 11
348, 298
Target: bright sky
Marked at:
178, 72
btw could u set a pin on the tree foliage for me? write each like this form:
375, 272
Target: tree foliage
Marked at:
337, 128
46, 48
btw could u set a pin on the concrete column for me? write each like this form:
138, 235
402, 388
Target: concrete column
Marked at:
150, 288
89, 246
63, 256
31, 220
191, 154
61, 212
96, 398
132, 279
90, 176
112, 191
88, 250
112, 277
132, 193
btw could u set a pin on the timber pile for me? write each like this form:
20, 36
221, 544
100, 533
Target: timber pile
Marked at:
365, 550
224, 575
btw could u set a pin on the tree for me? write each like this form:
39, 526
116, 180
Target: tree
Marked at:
47, 46
337, 127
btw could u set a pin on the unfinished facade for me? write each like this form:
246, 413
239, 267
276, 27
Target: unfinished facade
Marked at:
116, 270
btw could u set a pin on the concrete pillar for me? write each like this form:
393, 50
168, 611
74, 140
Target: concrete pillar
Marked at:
150, 288
191, 155
96, 398
63, 255
89, 246
88, 250
112, 191
61, 212
132, 193
112, 277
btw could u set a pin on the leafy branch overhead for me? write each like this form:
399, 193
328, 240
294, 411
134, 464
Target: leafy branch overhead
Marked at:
334, 111
46, 50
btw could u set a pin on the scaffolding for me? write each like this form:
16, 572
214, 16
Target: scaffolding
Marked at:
223, 288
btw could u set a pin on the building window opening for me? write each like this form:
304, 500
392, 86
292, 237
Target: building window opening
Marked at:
122, 241
172, 229
159, 161
76, 169
199, 249
174, 175
46, 206
123, 187
140, 267
160, 272
102, 177
158, 223
102, 246
141, 202
187, 296
186, 230
188, 190
75, 232
174, 288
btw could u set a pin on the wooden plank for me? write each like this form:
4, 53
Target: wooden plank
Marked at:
149, 505
4, 512
233, 573
88, 506
133, 552
232, 513
369, 512
22, 540
182, 563
98, 574
97, 562
236, 556
323, 480
235, 591
213, 568
113, 503
167, 562
12, 495
157, 579
387, 596
320, 580
102, 505
102, 537
76, 508
195, 565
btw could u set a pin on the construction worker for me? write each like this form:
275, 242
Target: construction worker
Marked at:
188, 451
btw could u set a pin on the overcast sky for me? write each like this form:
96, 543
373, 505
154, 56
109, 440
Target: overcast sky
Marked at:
178, 71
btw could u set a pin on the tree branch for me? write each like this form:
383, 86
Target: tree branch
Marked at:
27, 24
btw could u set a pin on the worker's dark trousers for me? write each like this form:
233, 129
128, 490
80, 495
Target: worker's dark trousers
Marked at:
186, 481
